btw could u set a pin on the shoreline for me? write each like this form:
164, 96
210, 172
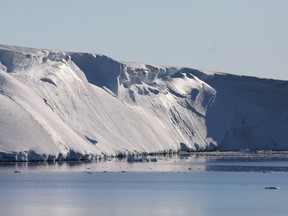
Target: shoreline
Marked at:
265, 162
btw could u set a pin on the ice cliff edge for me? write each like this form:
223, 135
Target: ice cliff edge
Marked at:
65, 105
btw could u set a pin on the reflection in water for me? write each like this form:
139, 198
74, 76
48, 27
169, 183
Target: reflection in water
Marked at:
195, 162
143, 193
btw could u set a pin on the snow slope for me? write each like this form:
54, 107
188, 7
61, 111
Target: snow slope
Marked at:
57, 105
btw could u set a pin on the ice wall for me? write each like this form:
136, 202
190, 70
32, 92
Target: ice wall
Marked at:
59, 105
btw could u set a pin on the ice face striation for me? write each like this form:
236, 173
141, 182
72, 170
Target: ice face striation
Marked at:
74, 106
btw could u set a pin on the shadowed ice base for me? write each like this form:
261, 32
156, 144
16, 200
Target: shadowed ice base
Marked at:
194, 162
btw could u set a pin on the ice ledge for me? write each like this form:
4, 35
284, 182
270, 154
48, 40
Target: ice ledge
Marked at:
32, 156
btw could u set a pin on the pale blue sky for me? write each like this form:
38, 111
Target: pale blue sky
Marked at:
248, 37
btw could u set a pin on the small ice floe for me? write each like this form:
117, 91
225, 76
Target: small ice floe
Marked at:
267, 171
272, 188
153, 159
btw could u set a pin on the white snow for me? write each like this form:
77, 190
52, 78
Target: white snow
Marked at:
58, 105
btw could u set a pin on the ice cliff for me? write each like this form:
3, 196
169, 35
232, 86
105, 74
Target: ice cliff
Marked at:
64, 105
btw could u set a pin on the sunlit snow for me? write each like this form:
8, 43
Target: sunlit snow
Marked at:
57, 105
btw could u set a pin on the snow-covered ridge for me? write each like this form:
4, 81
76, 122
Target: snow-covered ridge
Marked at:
65, 105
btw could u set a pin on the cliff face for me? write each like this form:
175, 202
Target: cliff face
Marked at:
57, 105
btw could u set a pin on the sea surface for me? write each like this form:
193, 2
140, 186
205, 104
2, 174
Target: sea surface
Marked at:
186, 185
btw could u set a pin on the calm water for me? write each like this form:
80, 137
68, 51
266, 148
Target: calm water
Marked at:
171, 187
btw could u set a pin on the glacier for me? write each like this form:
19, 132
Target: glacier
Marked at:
78, 106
